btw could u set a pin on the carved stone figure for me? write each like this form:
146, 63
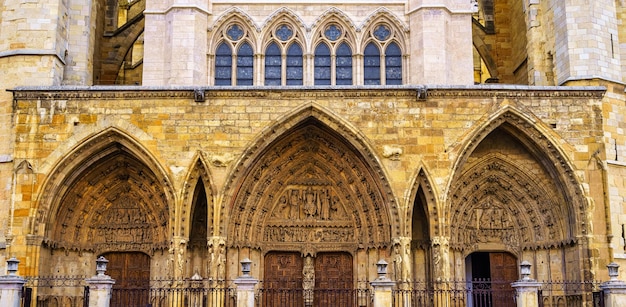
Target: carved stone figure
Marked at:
310, 206
308, 281
181, 258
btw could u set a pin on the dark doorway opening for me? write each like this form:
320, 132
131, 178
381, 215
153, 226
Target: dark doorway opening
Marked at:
489, 276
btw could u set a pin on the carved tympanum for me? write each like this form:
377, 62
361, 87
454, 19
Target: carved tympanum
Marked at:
310, 186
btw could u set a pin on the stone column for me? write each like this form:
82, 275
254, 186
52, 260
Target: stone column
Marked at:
245, 285
100, 285
11, 285
382, 286
614, 289
527, 289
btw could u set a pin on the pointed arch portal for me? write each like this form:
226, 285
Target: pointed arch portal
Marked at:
106, 197
310, 190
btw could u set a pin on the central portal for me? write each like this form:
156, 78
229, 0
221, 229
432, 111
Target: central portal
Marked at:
324, 280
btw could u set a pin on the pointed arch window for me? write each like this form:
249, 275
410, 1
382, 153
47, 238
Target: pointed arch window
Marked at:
344, 65
294, 65
393, 65
382, 58
333, 57
244, 65
273, 64
284, 58
371, 63
322, 65
234, 58
223, 65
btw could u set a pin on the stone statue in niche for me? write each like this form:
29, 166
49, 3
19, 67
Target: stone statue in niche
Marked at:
308, 281
397, 262
180, 269
217, 259
294, 201
310, 203
402, 259
210, 270
221, 261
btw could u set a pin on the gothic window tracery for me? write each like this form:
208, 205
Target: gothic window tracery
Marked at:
382, 57
284, 63
234, 58
333, 57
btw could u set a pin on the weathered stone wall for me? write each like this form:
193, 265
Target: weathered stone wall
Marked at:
432, 134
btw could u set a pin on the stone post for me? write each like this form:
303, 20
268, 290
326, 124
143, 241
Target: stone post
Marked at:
11, 285
245, 285
527, 289
383, 286
100, 285
614, 289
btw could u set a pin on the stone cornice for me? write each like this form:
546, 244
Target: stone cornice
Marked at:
432, 92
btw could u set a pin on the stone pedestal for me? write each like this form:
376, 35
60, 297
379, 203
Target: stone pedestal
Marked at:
11, 290
614, 293
527, 292
100, 287
382, 291
245, 291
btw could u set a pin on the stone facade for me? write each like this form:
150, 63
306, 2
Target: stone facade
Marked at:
196, 177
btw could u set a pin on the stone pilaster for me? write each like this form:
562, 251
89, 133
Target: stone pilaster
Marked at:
175, 44
441, 42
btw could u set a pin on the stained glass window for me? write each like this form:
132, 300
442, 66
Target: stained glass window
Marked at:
234, 32
343, 65
284, 32
223, 65
393, 65
332, 32
294, 65
371, 65
244, 65
273, 64
382, 32
322, 65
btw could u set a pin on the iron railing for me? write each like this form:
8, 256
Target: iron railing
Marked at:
477, 293
70, 291
167, 292
287, 294
73, 291
570, 294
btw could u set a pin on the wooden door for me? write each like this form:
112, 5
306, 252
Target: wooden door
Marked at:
334, 280
131, 272
503, 267
282, 285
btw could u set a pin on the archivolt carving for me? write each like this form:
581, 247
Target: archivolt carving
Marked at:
548, 155
498, 202
102, 197
117, 205
310, 186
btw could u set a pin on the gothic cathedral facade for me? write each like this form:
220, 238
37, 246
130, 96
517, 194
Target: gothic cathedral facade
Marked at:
453, 139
